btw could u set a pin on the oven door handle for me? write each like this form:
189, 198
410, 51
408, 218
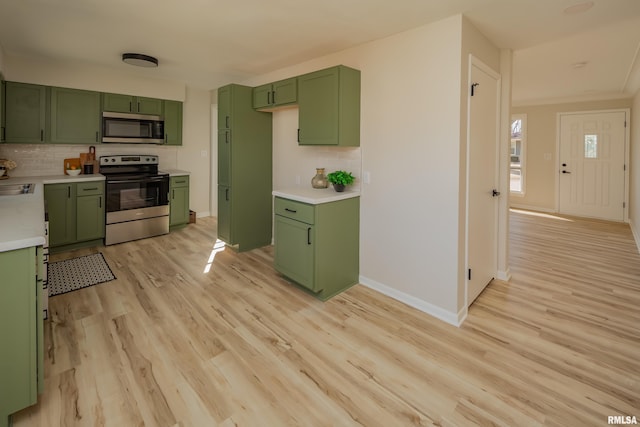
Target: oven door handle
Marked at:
128, 181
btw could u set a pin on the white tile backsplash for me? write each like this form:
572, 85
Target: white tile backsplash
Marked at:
48, 159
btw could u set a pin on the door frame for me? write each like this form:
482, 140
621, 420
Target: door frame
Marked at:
474, 61
627, 136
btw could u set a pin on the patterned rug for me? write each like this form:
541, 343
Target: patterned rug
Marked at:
77, 273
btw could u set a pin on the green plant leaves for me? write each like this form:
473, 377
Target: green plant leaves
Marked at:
341, 177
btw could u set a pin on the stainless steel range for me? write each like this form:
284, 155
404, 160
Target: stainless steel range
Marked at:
137, 199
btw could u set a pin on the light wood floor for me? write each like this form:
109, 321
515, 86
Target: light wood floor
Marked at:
168, 344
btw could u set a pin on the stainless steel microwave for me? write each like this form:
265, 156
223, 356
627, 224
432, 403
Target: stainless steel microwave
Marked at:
132, 128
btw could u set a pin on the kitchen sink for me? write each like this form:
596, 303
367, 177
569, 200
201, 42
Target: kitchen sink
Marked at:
16, 189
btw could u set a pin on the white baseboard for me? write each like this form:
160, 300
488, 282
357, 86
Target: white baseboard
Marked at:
635, 233
202, 214
454, 319
504, 275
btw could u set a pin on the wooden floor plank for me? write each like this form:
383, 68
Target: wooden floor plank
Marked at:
193, 334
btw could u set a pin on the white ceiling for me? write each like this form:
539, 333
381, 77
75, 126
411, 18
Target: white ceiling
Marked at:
208, 43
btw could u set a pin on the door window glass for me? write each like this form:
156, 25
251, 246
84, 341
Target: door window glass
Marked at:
591, 146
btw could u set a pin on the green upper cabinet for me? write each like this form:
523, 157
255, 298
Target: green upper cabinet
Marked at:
283, 92
25, 113
75, 116
131, 104
224, 107
329, 107
173, 122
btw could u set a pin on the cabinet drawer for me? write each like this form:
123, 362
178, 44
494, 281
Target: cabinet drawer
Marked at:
91, 188
295, 210
180, 181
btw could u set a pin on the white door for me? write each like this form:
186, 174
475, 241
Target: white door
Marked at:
482, 179
592, 157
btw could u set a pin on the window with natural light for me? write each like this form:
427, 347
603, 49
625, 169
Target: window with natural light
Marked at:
518, 148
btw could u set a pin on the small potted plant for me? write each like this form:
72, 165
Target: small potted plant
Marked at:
340, 179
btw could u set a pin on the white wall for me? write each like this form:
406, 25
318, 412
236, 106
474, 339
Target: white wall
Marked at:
47, 159
634, 186
411, 146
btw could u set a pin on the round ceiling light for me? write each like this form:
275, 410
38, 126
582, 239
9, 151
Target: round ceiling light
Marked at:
578, 8
139, 60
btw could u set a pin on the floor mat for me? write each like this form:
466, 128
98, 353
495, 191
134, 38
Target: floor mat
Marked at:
77, 273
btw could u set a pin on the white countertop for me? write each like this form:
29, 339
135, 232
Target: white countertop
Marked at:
315, 196
22, 216
175, 172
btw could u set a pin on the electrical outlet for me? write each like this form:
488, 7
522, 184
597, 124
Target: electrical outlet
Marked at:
204, 153
297, 179
366, 177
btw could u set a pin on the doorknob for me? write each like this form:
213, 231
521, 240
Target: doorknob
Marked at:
495, 193
566, 172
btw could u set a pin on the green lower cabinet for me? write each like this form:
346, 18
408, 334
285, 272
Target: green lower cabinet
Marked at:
224, 213
61, 207
317, 246
179, 201
21, 325
76, 214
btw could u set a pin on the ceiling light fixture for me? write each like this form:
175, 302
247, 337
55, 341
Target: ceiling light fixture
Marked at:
578, 8
139, 60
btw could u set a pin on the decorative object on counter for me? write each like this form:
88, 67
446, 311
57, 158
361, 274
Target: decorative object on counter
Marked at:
5, 166
340, 179
77, 273
88, 161
72, 165
319, 180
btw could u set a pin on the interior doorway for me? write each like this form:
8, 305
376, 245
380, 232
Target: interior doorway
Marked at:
592, 164
482, 178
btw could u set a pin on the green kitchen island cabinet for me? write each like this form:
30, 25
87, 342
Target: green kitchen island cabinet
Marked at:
329, 107
244, 170
75, 116
277, 94
317, 244
76, 214
21, 330
25, 113
119, 103
178, 201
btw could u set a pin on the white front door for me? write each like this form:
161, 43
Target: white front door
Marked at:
592, 165
482, 179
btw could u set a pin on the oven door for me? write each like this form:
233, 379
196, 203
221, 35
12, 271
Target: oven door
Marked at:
125, 193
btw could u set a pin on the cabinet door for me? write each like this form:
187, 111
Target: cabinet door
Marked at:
285, 92
224, 107
148, 106
90, 216
19, 321
75, 116
179, 213
295, 250
179, 198
173, 122
117, 103
262, 96
61, 206
318, 104
25, 106
224, 214
224, 157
